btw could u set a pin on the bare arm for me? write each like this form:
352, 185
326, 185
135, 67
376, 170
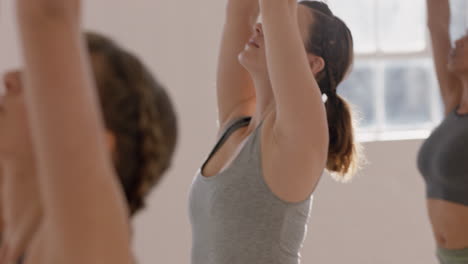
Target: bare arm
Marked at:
300, 128
300, 110
2, 205
438, 13
85, 215
236, 94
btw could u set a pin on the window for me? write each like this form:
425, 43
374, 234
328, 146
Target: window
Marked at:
393, 87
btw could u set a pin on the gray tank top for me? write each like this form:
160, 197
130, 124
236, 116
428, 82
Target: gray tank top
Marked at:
443, 160
235, 217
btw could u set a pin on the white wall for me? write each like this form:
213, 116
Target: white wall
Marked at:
379, 218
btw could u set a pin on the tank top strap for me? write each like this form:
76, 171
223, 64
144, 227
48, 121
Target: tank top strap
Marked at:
231, 128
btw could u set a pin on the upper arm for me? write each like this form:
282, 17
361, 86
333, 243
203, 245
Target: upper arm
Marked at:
84, 210
299, 130
235, 90
300, 112
292, 167
438, 24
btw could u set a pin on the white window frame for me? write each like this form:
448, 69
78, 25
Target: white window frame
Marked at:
378, 131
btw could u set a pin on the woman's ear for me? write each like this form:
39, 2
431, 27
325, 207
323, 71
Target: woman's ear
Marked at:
317, 64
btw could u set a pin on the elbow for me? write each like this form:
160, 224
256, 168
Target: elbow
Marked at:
436, 26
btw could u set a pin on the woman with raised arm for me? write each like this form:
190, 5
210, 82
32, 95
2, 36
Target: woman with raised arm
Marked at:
251, 199
442, 158
76, 170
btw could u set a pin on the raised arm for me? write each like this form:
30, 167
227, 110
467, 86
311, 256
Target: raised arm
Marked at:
236, 94
299, 130
300, 111
85, 215
2, 206
438, 21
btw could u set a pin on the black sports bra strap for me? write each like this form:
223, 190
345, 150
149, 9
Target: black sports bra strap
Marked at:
229, 131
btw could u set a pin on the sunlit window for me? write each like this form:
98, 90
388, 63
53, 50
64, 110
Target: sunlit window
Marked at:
393, 86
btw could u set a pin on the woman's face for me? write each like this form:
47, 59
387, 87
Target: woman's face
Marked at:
253, 57
458, 57
15, 138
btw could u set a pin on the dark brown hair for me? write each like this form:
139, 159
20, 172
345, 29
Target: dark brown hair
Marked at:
331, 39
140, 115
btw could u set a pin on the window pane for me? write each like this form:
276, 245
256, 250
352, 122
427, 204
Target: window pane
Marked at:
402, 25
408, 89
457, 8
359, 15
359, 90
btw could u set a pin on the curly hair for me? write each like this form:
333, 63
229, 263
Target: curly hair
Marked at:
140, 115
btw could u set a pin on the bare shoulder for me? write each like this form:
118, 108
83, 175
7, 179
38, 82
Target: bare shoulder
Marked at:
290, 169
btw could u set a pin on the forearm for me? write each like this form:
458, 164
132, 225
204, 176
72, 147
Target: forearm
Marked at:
32, 12
241, 15
240, 10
